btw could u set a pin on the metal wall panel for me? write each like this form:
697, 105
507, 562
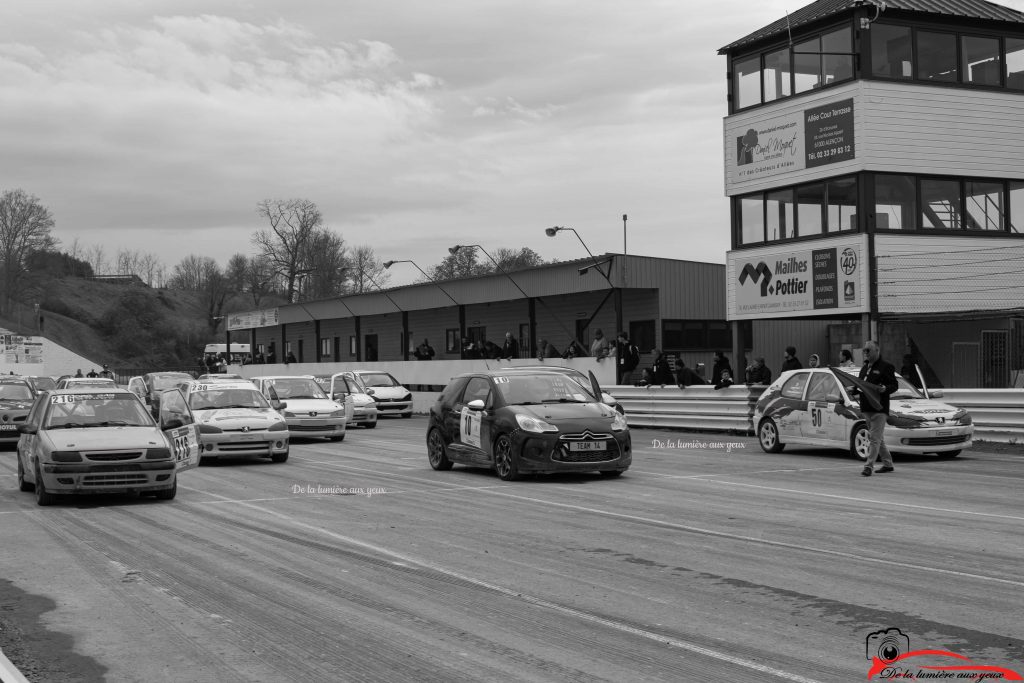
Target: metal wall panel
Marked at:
771, 337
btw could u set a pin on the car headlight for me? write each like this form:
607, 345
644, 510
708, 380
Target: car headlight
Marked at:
407, 397
340, 412
209, 429
905, 421
278, 427
158, 454
362, 401
288, 414
532, 424
962, 417
619, 423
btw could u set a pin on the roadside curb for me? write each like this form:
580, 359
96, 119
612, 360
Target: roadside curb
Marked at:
8, 672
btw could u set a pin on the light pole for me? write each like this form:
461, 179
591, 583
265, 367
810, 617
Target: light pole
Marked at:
624, 283
551, 232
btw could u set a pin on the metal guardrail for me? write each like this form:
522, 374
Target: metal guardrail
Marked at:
998, 414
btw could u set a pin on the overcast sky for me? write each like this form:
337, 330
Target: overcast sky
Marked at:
157, 126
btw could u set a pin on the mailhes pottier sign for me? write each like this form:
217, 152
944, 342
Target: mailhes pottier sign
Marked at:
827, 276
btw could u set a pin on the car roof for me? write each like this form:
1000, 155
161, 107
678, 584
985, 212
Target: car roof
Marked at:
90, 390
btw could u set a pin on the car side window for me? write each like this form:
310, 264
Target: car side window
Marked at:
823, 387
453, 390
173, 403
477, 388
794, 386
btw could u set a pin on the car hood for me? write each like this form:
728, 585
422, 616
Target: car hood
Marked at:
315, 405
257, 418
558, 412
105, 438
919, 407
15, 404
389, 392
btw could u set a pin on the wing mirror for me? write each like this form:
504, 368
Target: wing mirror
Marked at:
28, 428
476, 404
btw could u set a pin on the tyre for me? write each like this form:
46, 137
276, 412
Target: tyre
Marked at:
279, 457
860, 444
407, 414
768, 436
43, 497
168, 494
22, 484
505, 462
370, 425
335, 439
437, 453
611, 474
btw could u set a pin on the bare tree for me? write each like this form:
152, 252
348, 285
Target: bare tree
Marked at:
515, 259
149, 266
284, 244
325, 265
128, 262
237, 272
463, 263
97, 258
190, 273
25, 226
261, 279
366, 271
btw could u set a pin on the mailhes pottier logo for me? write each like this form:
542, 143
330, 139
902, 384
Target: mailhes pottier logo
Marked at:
764, 274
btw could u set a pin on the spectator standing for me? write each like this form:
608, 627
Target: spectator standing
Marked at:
510, 349
424, 351
469, 349
490, 350
721, 365
105, 372
790, 361
78, 373
92, 373
370, 351
846, 359
574, 350
880, 375
725, 380
661, 372
627, 357
758, 372
814, 361
600, 348
546, 350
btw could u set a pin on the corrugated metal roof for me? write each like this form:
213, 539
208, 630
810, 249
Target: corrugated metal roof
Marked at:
969, 9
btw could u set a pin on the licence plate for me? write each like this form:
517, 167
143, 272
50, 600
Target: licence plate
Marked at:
248, 437
8, 427
588, 446
947, 433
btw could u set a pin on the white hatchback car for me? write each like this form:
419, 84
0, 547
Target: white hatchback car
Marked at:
309, 412
345, 386
391, 397
236, 419
813, 407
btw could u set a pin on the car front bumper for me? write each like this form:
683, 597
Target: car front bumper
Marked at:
315, 427
551, 453
88, 478
262, 443
928, 439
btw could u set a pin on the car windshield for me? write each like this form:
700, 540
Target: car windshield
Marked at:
295, 387
69, 411
15, 391
906, 389
541, 388
44, 383
213, 398
169, 381
378, 379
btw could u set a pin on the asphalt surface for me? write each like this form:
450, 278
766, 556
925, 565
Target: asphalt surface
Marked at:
355, 561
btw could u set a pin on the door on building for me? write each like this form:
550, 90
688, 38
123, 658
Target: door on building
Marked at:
526, 349
370, 347
965, 364
995, 357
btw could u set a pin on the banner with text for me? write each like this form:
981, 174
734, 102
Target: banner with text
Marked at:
250, 319
823, 277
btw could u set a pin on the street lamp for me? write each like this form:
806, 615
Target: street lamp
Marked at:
551, 232
388, 264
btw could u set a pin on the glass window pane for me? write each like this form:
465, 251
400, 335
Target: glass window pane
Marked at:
891, 52
936, 56
837, 59
940, 204
779, 214
984, 202
1017, 207
842, 204
1015, 63
807, 65
895, 202
809, 202
981, 62
777, 75
752, 219
747, 82
693, 335
672, 334
719, 335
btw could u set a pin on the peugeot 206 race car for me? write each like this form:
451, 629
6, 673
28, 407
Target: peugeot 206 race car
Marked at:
814, 407
310, 412
521, 421
236, 419
95, 440
345, 386
390, 396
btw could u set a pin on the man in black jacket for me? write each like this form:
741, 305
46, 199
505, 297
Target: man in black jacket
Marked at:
880, 376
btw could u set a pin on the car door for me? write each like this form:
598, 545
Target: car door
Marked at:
791, 410
471, 425
178, 423
823, 421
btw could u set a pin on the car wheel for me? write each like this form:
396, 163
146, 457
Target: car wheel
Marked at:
43, 497
279, 457
370, 425
437, 453
504, 459
168, 494
22, 484
406, 414
860, 444
611, 473
768, 436
337, 438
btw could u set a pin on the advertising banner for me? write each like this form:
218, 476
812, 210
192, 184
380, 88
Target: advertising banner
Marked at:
794, 141
250, 319
822, 278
